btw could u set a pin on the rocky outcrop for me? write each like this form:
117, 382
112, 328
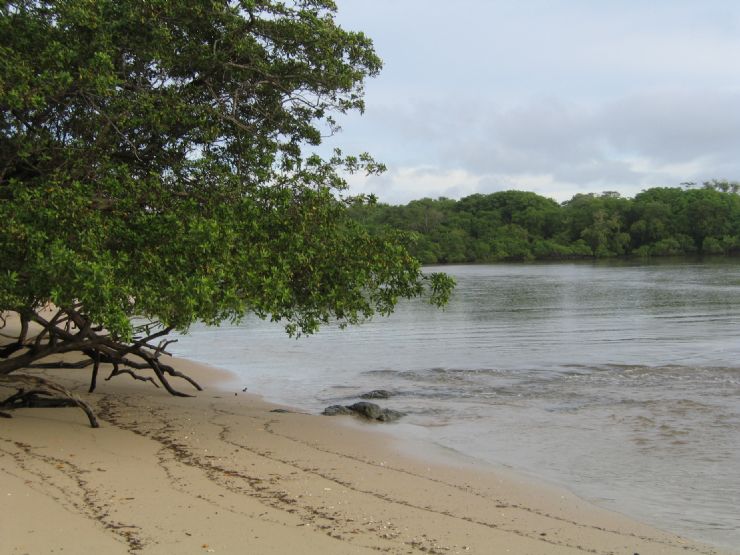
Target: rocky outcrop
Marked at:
335, 410
371, 411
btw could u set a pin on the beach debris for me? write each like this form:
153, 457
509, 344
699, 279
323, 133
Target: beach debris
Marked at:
371, 411
377, 394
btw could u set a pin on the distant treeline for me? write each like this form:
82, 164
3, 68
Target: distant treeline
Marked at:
518, 225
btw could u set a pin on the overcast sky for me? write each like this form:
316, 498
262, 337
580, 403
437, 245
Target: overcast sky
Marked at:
552, 96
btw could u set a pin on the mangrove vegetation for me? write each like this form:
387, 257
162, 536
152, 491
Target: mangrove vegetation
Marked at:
519, 225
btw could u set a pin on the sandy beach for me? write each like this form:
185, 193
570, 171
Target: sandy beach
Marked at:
224, 473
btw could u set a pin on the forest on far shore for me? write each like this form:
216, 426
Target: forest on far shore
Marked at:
519, 225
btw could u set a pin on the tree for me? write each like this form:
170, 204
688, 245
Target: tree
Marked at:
604, 235
154, 165
710, 213
599, 221
722, 185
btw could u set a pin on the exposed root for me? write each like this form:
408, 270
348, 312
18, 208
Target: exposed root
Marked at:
117, 371
42, 387
70, 330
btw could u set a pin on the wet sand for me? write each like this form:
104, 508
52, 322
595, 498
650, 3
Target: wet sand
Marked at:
223, 473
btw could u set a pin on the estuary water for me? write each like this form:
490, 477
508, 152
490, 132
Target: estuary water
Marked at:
618, 380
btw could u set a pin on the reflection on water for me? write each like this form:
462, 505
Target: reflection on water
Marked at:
620, 381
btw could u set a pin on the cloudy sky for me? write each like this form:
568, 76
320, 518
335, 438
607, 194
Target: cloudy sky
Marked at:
552, 96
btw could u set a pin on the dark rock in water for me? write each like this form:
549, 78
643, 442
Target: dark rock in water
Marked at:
377, 394
368, 410
284, 411
374, 412
336, 410
389, 415
371, 411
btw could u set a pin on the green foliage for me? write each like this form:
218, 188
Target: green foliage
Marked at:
516, 225
152, 164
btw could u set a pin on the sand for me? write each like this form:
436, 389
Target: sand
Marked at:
223, 473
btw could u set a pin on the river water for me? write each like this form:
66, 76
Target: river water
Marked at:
618, 380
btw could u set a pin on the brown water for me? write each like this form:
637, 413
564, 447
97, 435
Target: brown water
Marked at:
619, 380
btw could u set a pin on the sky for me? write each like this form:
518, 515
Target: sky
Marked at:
553, 96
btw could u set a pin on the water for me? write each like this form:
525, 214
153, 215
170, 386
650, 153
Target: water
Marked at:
620, 381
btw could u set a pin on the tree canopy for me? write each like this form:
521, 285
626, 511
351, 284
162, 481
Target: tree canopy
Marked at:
518, 225
155, 163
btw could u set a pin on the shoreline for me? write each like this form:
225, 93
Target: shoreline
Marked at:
222, 473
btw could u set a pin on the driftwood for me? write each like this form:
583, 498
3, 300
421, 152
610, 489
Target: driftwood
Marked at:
69, 330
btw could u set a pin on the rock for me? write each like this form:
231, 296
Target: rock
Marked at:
284, 411
371, 411
368, 410
374, 412
336, 410
377, 394
389, 415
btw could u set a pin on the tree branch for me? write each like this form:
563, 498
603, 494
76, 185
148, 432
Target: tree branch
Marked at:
45, 387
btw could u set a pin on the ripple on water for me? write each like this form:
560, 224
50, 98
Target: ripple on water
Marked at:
620, 381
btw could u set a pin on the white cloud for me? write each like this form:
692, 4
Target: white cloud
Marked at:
402, 185
555, 96
557, 147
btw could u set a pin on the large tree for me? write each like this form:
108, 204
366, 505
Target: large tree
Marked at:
156, 170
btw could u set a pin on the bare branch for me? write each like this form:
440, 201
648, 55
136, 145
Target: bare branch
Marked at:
47, 387
70, 330
117, 371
